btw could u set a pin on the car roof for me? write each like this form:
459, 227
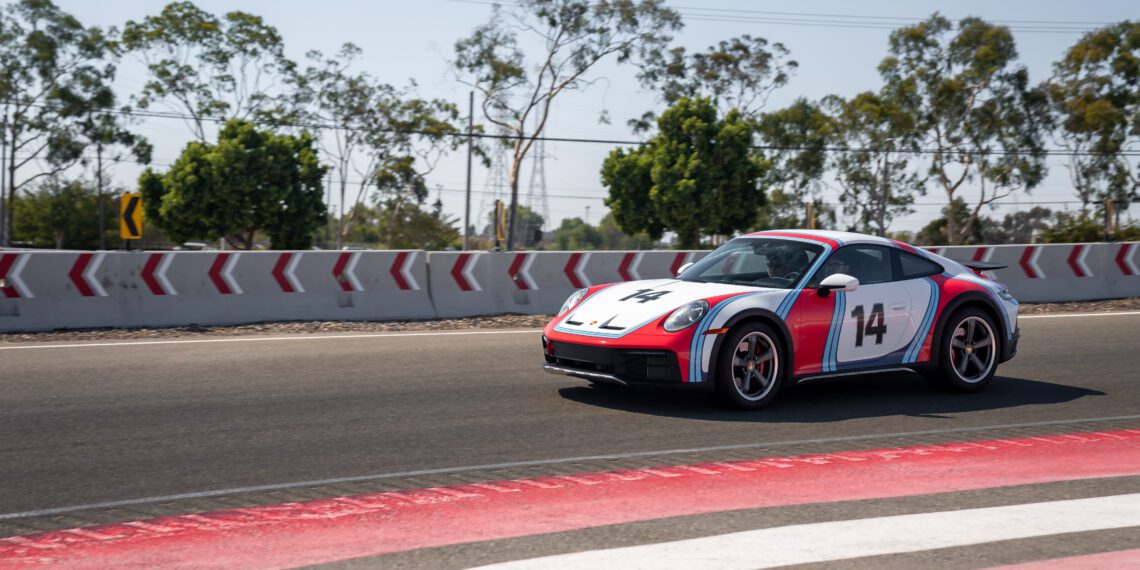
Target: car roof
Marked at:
842, 238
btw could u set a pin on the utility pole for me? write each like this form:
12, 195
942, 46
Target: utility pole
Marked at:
587, 215
99, 187
1109, 214
3, 176
467, 207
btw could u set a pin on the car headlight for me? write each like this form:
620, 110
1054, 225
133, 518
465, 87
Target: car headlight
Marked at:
572, 300
686, 315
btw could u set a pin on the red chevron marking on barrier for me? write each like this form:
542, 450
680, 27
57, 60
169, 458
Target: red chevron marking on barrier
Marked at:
76, 275
623, 269
328, 530
571, 270
513, 271
457, 272
215, 274
1124, 259
678, 261
1077, 261
338, 272
397, 271
147, 274
6, 262
980, 254
279, 272
1029, 262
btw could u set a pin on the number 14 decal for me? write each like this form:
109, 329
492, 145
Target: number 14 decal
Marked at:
875, 326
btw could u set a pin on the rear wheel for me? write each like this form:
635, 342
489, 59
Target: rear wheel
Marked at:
749, 367
968, 355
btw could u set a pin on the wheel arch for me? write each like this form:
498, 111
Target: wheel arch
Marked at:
763, 316
969, 299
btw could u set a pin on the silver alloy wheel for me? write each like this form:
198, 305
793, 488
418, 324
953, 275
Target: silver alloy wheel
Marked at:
755, 365
972, 349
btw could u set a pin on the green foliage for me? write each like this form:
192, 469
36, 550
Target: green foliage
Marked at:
576, 235
64, 215
208, 66
412, 227
1095, 96
250, 180
934, 233
738, 73
977, 110
702, 177
797, 139
783, 210
877, 129
529, 227
614, 238
54, 71
1081, 227
516, 93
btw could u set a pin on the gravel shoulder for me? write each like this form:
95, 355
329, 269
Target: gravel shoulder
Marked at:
491, 322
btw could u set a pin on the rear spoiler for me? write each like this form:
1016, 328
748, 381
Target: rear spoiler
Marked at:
983, 265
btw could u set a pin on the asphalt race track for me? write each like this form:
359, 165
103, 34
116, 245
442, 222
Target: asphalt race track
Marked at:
105, 432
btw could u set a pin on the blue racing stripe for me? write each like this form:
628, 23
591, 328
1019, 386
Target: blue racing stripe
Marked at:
927, 320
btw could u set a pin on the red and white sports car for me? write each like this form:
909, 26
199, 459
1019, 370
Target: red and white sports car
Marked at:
787, 306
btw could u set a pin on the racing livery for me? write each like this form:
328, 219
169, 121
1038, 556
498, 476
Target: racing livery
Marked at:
789, 306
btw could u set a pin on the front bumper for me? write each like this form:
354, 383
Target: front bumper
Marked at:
624, 366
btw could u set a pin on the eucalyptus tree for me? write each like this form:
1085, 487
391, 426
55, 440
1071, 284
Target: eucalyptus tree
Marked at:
980, 118
208, 68
1095, 94
795, 142
381, 140
739, 73
875, 140
567, 39
51, 65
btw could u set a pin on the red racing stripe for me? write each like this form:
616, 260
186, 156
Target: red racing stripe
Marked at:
328, 530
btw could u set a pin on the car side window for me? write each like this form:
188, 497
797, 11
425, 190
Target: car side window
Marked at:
868, 263
913, 266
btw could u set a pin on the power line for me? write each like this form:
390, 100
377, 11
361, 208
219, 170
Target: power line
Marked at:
490, 136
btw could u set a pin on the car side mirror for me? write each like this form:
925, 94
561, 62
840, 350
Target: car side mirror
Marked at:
682, 268
837, 282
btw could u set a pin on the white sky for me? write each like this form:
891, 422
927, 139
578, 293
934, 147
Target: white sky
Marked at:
404, 40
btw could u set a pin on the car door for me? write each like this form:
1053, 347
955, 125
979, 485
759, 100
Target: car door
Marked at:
874, 322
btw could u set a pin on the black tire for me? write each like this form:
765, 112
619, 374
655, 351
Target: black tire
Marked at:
967, 364
768, 367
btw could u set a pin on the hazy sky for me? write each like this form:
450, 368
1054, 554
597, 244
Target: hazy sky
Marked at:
414, 40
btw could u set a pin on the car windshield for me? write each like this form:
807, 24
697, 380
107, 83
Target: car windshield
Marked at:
756, 261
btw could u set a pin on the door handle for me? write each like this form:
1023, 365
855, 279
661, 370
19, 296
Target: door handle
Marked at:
898, 306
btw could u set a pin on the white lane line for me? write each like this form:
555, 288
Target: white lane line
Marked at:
266, 339
1071, 315
841, 540
537, 463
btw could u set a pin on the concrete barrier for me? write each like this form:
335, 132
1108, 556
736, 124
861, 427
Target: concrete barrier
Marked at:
480, 283
1060, 272
49, 290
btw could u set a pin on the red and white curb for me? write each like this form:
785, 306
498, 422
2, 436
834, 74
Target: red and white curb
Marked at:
82, 274
285, 272
519, 271
575, 270
402, 271
329, 530
222, 273
11, 284
344, 271
463, 272
154, 274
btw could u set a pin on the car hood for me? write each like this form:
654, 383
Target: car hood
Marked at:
625, 307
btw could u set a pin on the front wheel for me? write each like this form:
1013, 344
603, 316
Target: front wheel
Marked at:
968, 355
749, 367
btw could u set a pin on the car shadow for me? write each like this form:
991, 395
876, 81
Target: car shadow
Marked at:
897, 394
